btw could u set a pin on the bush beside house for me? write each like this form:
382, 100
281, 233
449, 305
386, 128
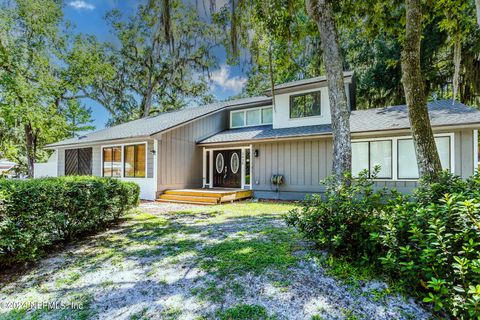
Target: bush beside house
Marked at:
35, 214
428, 241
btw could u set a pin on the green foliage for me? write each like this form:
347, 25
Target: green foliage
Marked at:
428, 242
78, 118
245, 311
37, 213
433, 243
36, 78
343, 217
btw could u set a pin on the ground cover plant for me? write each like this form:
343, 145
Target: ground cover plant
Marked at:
426, 242
36, 213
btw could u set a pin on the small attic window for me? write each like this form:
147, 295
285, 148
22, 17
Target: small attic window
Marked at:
305, 105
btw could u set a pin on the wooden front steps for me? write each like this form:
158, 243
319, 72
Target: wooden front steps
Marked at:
204, 196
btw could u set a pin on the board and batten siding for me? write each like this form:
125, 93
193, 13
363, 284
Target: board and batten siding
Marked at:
180, 159
304, 163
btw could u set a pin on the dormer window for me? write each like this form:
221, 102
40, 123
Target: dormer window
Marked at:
251, 117
305, 105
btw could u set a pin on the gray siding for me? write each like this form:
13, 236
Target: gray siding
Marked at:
304, 163
180, 159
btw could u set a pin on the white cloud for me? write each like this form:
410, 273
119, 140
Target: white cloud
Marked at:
81, 5
221, 78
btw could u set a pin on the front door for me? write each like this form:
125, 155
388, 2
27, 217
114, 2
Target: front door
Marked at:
227, 171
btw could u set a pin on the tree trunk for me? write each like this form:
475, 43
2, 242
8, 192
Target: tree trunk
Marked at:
30, 140
413, 84
147, 99
321, 12
477, 2
457, 61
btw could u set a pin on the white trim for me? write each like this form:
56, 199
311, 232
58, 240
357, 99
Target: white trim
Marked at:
155, 161
245, 117
475, 150
204, 168
210, 179
242, 168
122, 145
395, 139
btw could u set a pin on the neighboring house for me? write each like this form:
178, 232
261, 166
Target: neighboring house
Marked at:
6, 168
243, 143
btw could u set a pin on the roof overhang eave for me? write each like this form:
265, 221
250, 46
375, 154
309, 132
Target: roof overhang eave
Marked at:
475, 125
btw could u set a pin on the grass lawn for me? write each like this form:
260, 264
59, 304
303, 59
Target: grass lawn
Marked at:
170, 261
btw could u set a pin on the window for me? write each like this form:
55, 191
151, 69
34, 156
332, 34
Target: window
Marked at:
267, 115
407, 160
251, 117
247, 167
238, 119
305, 105
367, 155
112, 162
134, 161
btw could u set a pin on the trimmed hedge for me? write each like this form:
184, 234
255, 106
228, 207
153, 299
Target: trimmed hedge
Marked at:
35, 214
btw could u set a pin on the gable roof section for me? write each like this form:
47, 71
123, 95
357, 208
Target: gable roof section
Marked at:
305, 84
442, 113
149, 126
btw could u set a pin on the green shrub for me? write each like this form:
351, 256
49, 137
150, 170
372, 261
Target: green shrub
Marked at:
342, 219
428, 241
433, 242
36, 213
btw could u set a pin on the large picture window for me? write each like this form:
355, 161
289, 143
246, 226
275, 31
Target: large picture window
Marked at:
305, 105
407, 161
134, 161
112, 162
251, 117
368, 155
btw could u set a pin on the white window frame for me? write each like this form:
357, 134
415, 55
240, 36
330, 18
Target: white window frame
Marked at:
395, 153
392, 160
122, 146
245, 117
242, 166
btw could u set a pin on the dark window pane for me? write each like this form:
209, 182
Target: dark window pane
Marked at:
305, 105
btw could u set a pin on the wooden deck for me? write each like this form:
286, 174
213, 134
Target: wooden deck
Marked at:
204, 196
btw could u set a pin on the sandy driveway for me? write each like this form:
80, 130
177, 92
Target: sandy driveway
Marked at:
169, 261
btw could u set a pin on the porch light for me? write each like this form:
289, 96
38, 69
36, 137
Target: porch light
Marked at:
153, 152
256, 153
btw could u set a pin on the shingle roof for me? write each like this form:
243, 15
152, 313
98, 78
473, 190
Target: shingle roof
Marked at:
307, 81
442, 113
158, 123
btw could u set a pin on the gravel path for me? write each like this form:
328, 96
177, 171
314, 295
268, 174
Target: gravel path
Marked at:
171, 261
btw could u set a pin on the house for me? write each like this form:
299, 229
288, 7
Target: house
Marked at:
243, 143
6, 168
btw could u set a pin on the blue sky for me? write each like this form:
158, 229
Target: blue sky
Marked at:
88, 17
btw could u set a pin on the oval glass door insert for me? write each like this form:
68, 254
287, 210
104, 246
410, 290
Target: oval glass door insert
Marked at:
219, 162
235, 162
